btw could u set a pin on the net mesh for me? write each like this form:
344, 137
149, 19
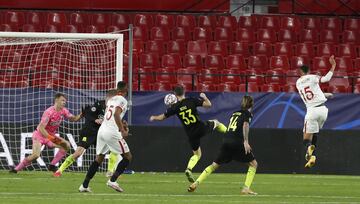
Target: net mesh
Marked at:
32, 71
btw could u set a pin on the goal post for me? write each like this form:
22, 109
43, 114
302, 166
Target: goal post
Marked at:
35, 66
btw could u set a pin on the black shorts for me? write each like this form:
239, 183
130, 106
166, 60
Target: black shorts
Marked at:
233, 151
87, 138
194, 137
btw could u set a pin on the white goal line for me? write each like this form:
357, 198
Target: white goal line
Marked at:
61, 35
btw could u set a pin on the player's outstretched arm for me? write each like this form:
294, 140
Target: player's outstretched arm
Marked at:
157, 117
206, 103
76, 118
328, 76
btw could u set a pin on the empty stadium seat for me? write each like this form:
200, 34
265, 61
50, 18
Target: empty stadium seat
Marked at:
135, 61
349, 36
95, 29
357, 89
283, 48
274, 77
223, 34
270, 88
262, 48
304, 49
138, 46
286, 35
279, 62
258, 62
346, 50
55, 18
241, 48
52, 29
309, 36
227, 22
236, 62
245, 35
14, 18
320, 63
329, 36
79, 19
181, 33
122, 21
144, 20
206, 87
339, 78
72, 29
250, 87
193, 61
176, 47
202, 34
207, 21
297, 61
165, 75
344, 64
227, 87
187, 76
9, 27
214, 62
209, 76
171, 61
311, 23
140, 33
292, 76
149, 61
155, 46
247, 22
290, 22
160, 86
266, 35
187, 21
338, 89
352, 24
230, 76
217, 47
331, 23
31, 28
34, 18
271, 22
326, 49
163, 20
289, 88
197, 48
159, 33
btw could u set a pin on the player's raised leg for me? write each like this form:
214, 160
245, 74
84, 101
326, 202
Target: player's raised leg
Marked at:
249, 178
211, 168
69, 160
192, 162
218, 126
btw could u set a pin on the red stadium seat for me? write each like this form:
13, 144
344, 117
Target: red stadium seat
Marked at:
122, 21
223, 34
14, 18
144, 87
181, 33
352, 24
187, 21
291, 23
298, 61
227, 88
357, 65
245, 35
227, 22
144, 75
262, 48
187, 76
135, 61
289, 88
331, 23
286, 35
274, 77
266, 35
344, 64
311, 23
270, 22
207, 21
163, 20
326, 49
206, 87
217, 47
292, 76
171, 61
193, 61
144, 20
79, 19
279, 62
321, 63
149, 61
31, 28
251, 87
304, 49
58, 19
159, 33
283, 48
329, 36
176, 47
241, 48
357, 88
247, 22
346, 50
138, 46
214, 62
258, 62
231, 76
9, 28
165, 75
202, 34
140, 33
270, 88
339, 79
52, 29
349, 36
72, 29
95, 29
338, 89
197, 48
236, 62
34, 18
100, 19
309, 36
159, 86
155, 46
209, 76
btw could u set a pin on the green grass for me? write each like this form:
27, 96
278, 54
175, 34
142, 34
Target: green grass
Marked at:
40, 187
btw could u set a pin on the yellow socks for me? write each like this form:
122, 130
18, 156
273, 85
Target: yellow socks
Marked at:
68, 161
112, 162
250, 176
221, 128
205, 173
193, 161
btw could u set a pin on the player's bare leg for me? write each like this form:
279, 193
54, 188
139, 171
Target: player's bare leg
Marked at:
310, 149
127, 157
249, 178
36, 150
69, 160
192, 162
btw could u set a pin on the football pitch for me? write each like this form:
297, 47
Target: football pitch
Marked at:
40, 187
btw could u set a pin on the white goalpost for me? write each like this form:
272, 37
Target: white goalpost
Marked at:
35, 66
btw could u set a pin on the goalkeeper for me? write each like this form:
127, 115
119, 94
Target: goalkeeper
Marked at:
93, 115
45, 133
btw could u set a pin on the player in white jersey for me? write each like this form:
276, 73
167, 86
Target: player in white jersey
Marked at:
316, 111
111, 136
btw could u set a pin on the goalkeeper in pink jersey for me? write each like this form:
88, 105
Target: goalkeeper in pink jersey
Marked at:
45, 133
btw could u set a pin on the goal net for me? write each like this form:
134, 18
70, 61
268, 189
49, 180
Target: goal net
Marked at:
33, 68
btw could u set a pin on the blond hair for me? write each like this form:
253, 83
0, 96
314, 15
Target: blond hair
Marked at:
247, 102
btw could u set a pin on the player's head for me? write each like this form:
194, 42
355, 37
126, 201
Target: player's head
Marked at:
122, 87
60, 100
179, 91
304, 69
247, 102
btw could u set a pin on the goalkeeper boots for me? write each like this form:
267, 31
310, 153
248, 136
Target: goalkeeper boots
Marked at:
189, 176
311, 162
193, 186
12, 170
309, 152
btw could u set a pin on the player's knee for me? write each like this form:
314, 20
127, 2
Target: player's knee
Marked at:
35, 155
128, 156
254, 164
99, 158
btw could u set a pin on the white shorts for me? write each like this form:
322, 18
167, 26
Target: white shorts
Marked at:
315, 119
108, 139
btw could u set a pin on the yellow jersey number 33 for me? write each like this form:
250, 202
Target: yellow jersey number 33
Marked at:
187, 117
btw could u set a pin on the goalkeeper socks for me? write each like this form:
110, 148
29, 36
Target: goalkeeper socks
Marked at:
61, 153
22, 164
193, 161
221, 128
205, 173
68, 161
120, 169
112, 161
90, 174
250, 176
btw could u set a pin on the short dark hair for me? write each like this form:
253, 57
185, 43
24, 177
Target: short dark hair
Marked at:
179, 90
58, 95
247, 102
121, 85
305, 69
